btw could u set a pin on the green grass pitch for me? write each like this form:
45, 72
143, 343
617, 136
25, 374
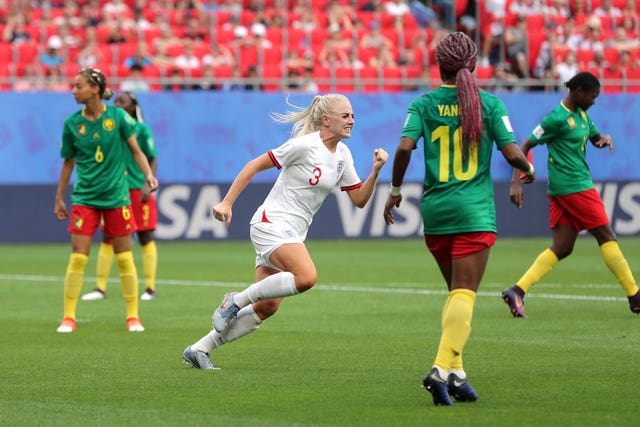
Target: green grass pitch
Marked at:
350, 352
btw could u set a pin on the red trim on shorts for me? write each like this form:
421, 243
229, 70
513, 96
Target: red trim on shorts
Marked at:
273, 159
583, 210
264, 217
352, 187
447, 247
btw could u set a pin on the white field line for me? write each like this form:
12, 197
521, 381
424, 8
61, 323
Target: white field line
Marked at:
392, 288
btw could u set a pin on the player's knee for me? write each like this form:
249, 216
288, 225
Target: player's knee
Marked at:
306, 281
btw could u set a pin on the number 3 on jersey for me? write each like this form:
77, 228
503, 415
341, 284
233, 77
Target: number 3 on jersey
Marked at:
442, 137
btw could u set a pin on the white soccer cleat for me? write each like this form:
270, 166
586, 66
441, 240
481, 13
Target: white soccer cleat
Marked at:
148, 295
94, 295
134, 325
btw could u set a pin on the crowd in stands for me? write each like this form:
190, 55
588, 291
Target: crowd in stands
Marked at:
549, 41
312, 45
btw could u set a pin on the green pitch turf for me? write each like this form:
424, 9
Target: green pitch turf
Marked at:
350, 352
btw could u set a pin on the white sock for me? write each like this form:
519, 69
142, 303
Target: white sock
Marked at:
460, 374
278, 285
246, 322
442, 373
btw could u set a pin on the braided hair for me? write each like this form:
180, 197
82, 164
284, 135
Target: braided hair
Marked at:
456, 54
96, 78
137, 110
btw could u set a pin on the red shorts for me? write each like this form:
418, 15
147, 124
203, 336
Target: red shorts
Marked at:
582, 211
146, 214
115, 222
447, 247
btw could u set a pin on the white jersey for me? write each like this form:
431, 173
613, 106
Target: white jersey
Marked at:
309, 171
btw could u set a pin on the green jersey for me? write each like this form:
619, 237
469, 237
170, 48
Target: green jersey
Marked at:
99, 148
135, 177
458, 190
566, 134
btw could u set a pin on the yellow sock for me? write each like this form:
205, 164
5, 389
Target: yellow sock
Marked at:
103, 266
456, 327
619, 267
540, 267
128, 282
150, 264
73, 283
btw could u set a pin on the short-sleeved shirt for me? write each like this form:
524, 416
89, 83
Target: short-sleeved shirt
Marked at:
99, 148
135, 176
309, 172
458, 194
566, 134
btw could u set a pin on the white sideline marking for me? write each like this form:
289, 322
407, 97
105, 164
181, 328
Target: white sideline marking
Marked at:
392, 289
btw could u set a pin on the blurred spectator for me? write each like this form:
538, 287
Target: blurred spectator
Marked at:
621, 41
374, 37
207, 80
353, 61
626, 61
253, 79
234, 82
52, 56
492, 30
384, 58
309, 84
166, 38
116, 8
503, 78
16, 30
69, 39
515, 39
396, 7
293, 81
336, 43
306, 20
71, 16
161, 58
373, 6
90, 13
591, 37
293, 59
219, 55
628, 23
259, 31
567, 68
135, 81
140, 57
607, 8
341, 14
557, 9
193, 30
187, 59
544, 65
598, 62
526, 7
175, 81
90, 55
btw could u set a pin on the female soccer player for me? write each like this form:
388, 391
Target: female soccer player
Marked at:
143, 206
458, 123
574, 204
96, 139
312, 163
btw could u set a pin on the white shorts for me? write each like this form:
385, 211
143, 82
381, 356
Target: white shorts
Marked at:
267, 237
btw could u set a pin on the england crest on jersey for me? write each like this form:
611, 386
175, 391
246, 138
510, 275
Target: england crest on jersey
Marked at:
340, 167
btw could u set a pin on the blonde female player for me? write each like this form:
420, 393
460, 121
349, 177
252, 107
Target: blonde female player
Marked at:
312, 163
